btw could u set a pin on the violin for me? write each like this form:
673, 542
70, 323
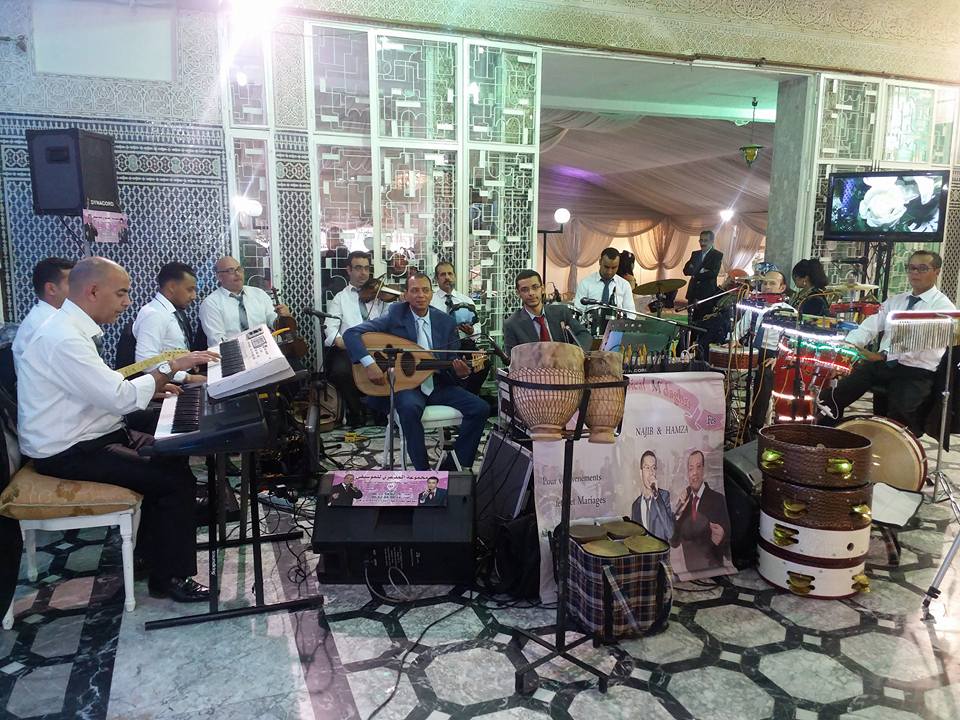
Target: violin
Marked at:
376, 289
289, 340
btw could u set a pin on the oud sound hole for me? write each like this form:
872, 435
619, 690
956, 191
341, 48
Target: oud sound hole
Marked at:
408, 364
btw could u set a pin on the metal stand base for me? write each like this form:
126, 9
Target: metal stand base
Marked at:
559, 649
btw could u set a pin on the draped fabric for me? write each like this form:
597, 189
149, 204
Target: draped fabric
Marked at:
640, 183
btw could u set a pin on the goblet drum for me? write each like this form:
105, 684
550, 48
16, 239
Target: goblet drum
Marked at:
545, 411
605, 407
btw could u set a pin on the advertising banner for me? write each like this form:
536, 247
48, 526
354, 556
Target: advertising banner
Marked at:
665, 471
388, 488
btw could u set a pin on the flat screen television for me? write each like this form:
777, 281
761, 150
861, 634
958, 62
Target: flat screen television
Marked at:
898, 205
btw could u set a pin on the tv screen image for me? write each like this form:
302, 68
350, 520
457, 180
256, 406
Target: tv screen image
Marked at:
901, 205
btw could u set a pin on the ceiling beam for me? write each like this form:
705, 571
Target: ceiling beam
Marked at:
640, 107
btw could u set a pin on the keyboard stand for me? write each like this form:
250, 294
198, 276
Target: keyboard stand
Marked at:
216, 486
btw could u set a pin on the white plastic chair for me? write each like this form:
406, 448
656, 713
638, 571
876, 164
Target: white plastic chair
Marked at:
435, 417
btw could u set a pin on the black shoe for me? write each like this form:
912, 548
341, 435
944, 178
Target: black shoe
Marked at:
185, 590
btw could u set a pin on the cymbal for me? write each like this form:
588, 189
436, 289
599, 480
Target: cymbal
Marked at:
855, 287
657, 287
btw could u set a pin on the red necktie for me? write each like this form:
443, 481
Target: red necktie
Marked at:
544, 333
694, 514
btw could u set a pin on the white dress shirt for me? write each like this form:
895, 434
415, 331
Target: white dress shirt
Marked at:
158, 330
766, 337
931, 300
220, 313
346, 306
66, 393
38, 315
458, 298
592, 287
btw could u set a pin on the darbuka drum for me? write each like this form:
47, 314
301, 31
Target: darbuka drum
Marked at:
605, 407
545, 411
898, 458
720, 357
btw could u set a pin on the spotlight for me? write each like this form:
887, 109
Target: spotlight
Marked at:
561, 216
726, 215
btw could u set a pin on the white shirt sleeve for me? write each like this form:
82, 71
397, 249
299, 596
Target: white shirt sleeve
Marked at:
149, 334
869, 328
80, 370
581, 292
211, 318
332, 328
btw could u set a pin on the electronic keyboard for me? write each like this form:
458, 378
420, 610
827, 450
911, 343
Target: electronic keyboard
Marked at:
247, 362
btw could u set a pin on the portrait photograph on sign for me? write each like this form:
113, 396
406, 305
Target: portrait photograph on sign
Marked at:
389, 488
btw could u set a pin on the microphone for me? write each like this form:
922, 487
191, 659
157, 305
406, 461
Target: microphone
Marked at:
497, 350
590, 301
321, 315
569, 333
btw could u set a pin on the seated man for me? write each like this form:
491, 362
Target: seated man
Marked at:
51, 284
908, 377
162, 324
536, 322
416, 321
70, 409
235, 307
454, 303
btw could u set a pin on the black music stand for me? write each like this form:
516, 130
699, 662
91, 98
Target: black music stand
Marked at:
560, 648
216, 482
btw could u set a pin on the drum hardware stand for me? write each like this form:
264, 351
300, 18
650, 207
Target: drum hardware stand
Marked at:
559, 647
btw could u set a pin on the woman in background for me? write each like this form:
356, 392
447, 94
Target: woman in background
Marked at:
626, 268
811, 296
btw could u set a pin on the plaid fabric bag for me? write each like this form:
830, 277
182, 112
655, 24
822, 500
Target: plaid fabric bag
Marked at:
614, 598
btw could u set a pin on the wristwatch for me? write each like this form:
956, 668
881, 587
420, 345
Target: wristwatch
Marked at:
165, 368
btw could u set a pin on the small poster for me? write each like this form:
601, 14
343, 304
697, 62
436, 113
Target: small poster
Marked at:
105, 226
389, 488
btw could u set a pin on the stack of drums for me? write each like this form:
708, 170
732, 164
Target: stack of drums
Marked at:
815, 510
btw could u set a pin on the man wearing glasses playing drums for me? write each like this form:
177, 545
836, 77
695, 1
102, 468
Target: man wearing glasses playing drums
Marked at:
908, 377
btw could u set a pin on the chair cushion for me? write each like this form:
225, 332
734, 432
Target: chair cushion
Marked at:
32, 496
441, 413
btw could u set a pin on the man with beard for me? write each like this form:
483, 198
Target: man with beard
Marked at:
453, 302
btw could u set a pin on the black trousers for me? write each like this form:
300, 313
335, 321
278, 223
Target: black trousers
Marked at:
908, 389
340, 374
167, 538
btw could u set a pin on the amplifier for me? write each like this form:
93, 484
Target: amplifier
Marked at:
430, 545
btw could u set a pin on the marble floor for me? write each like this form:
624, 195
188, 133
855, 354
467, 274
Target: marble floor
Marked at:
735, 649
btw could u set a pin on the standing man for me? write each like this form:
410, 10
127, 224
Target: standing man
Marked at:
702, 268
51, 283
432, 495
606, 285
457, 305
343, 494
70, 408
351, 311
703, 527
908, 377
536, 322
162, 324
652, 508
235, 307
416, 321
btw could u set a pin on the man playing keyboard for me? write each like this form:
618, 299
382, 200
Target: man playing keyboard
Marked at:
70, 409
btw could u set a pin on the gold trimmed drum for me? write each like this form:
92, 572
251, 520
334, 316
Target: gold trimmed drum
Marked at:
814, 455
823, 508
546, 411
833, 580
897, 457
813, 544
605, 406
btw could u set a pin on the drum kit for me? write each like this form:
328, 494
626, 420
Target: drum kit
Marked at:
596, 318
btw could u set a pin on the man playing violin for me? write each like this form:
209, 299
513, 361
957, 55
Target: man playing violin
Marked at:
352, 308
235, 307
432, 329
456, 304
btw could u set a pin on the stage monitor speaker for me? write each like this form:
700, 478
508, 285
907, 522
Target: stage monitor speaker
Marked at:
741, 485
71, 171
359, 544
504, 484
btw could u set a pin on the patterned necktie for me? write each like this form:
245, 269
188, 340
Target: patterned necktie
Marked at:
184, 324
448, 301
423, 340
606, 290
98, 342
544, 333
242, 311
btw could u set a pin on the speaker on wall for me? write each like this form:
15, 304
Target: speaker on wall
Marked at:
71, 171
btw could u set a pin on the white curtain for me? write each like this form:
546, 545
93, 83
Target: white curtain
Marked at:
661, 248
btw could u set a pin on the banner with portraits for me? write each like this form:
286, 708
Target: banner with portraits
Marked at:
665, 471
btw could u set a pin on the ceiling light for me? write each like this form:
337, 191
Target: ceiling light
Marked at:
561, 216
751, 151
726, 215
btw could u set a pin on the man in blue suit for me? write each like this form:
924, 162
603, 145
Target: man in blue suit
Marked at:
433, 329
652, 507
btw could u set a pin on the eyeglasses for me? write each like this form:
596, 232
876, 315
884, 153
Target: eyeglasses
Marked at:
359, 267
235, 270
919, 268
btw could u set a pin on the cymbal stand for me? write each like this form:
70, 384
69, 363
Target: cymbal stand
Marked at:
940, 482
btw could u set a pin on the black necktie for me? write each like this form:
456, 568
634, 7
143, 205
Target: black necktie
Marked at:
606, 291
184, 324
98, 342
913, 300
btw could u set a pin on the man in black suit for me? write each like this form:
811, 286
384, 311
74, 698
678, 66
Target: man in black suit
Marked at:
702, 268
703, 526
433, 329
345, 493
536, 322
652, 507
432, 495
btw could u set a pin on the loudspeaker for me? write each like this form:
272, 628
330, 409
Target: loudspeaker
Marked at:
71, 171
741, 486
428, 544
